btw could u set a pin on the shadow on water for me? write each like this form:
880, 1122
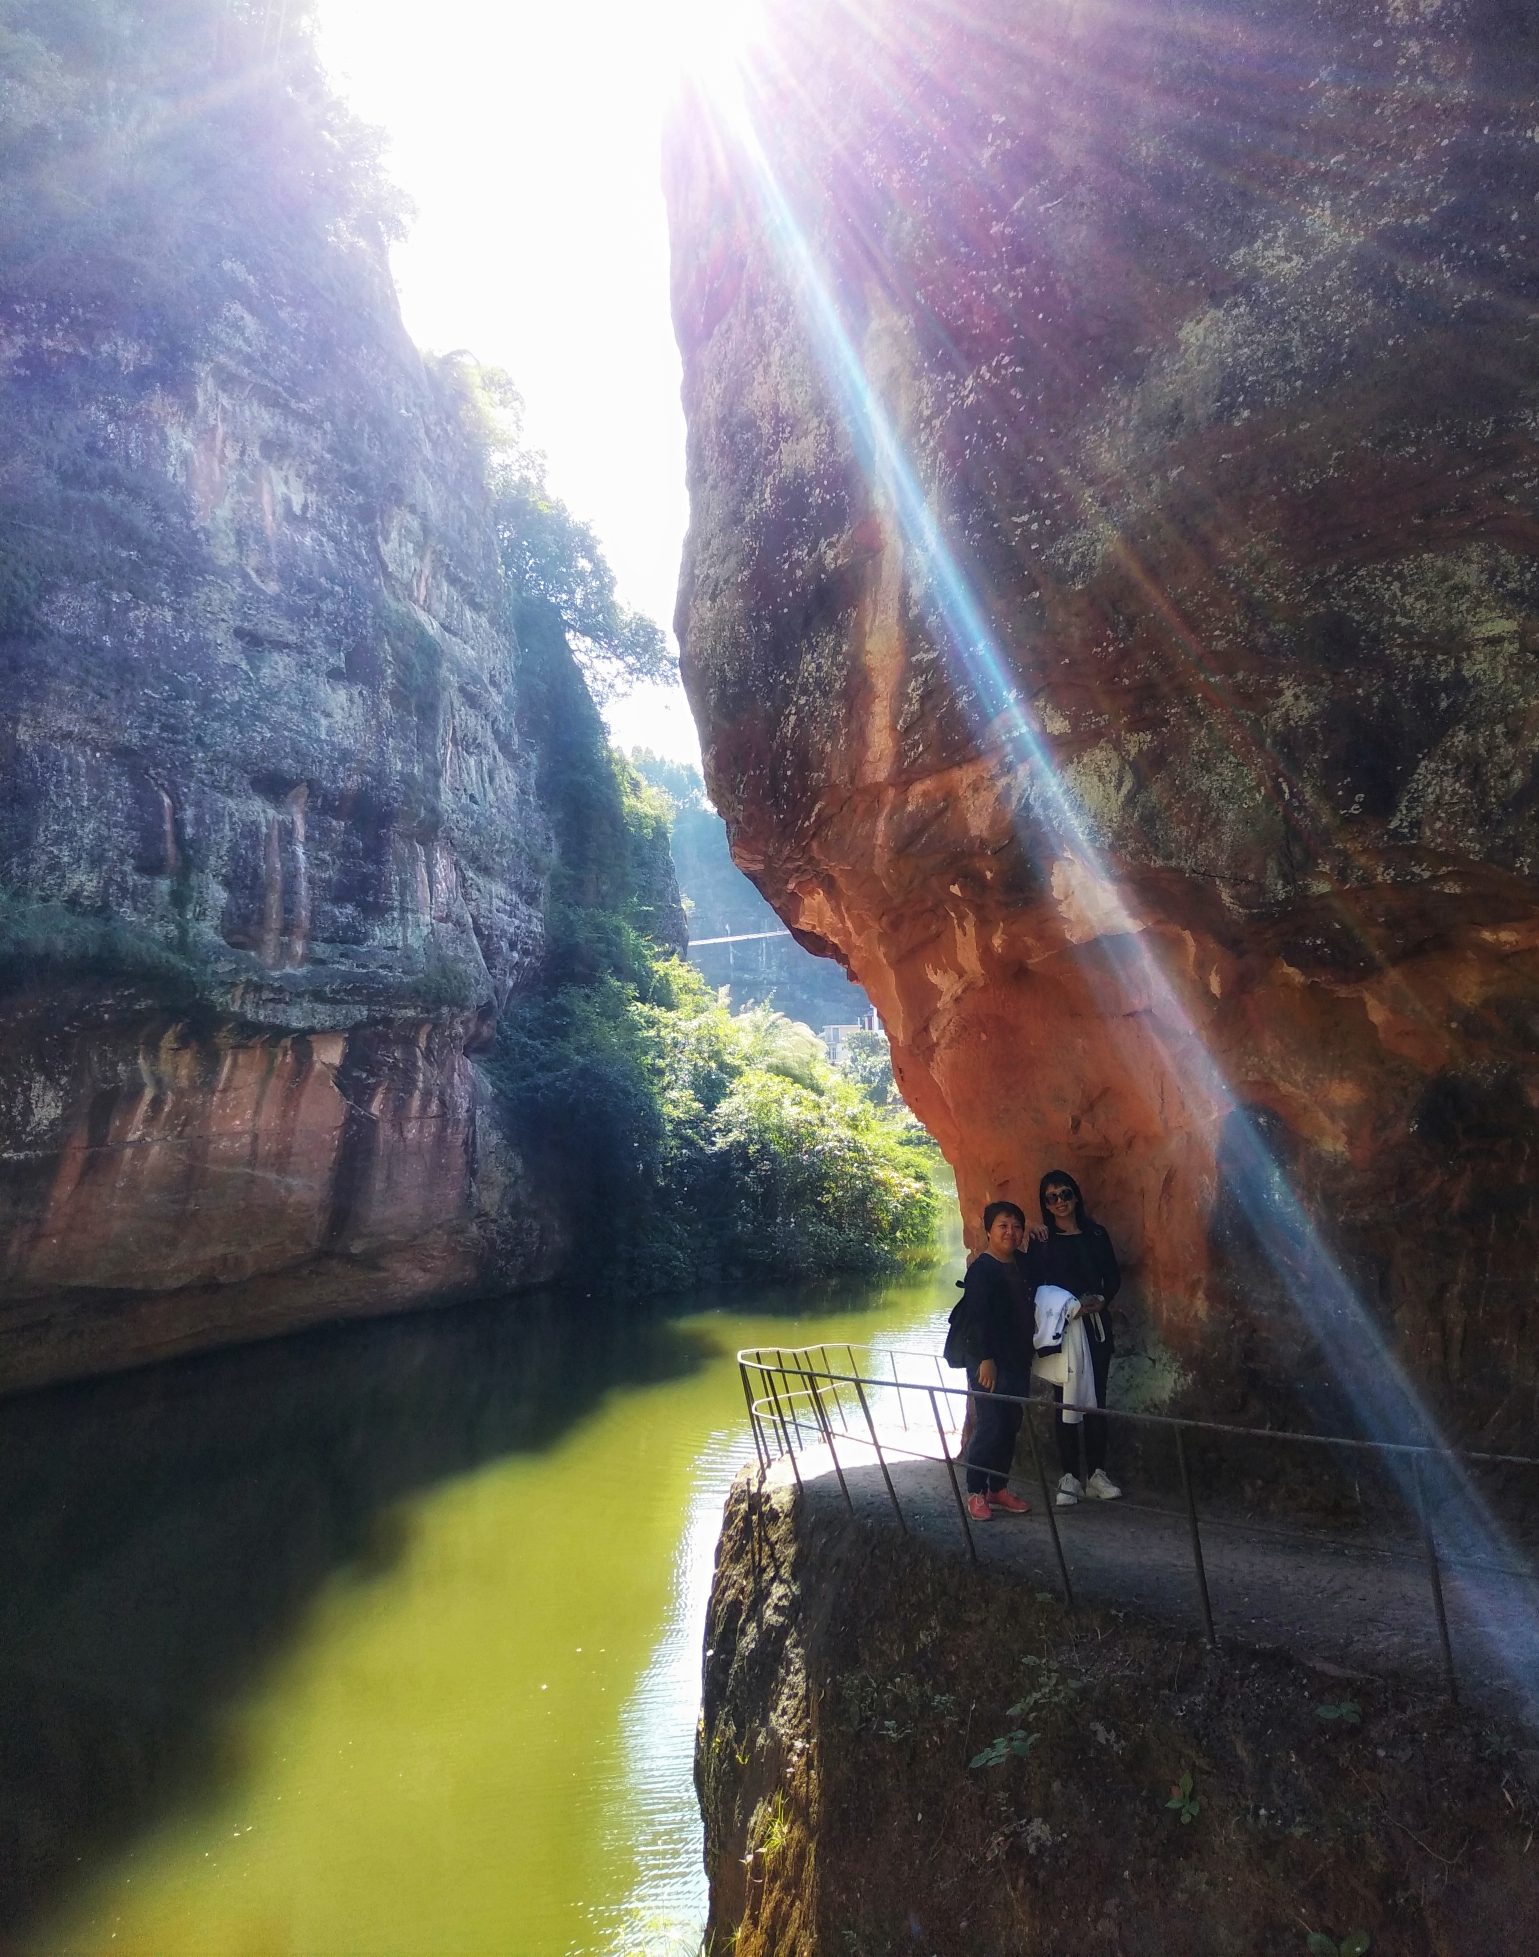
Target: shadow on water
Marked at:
162, 1532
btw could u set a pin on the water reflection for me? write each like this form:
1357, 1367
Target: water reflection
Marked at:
385, 1638
163, 1532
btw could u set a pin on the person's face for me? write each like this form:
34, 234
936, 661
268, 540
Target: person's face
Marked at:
1005, 1235
1060, 1202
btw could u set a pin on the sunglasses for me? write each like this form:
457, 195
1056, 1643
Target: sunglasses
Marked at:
1056, 1196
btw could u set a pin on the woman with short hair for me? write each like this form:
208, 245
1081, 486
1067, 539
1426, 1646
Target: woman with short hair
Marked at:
1076, 1257
991, 1335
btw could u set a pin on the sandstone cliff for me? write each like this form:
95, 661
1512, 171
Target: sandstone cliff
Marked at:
274, 839
1111, 608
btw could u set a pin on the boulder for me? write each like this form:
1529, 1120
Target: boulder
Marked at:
1111, 609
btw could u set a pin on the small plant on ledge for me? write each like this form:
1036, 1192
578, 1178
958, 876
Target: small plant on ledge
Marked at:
1008, 1746
1187, 1804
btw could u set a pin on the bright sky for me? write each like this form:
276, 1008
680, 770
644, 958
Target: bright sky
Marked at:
528, 136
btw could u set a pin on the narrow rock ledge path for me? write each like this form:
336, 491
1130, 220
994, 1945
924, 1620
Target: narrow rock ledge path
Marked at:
1350, 1607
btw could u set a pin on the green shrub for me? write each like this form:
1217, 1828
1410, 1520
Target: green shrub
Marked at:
43, 943
815, 1183
708, 1160
868, 1062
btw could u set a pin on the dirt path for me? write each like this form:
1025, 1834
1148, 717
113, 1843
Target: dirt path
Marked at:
1345, 1607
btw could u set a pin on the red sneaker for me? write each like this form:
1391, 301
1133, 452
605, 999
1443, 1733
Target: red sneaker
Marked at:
1011, 1504
978, 1508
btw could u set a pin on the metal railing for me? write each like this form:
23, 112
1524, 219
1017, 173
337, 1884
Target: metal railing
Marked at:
800, 1406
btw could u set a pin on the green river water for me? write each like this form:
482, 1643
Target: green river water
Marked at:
384, 1639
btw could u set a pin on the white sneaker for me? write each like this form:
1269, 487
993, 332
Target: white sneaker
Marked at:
1069, 1492
1102, 1487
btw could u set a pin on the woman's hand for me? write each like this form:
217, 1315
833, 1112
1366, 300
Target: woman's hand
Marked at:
1037, 1232
988, 1372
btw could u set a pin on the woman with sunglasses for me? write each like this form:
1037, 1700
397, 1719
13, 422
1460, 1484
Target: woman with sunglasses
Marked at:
1077, 1255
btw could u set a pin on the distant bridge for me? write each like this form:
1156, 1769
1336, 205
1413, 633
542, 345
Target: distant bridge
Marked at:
741, 938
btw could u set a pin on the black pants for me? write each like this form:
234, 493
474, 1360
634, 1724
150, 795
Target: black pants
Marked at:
995, 1426
1093, 1427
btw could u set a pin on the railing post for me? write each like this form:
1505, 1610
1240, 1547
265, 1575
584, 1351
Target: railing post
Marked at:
902, 1410
753, 1421
967, 1529
833, 1387
1048, 1503
1435, 1574
785, 1377
1191, 1516
766, 1379
860, 1393
785, 1431
828, 1440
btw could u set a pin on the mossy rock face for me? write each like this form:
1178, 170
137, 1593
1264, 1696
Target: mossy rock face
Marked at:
255, 660
280, 809
260, 687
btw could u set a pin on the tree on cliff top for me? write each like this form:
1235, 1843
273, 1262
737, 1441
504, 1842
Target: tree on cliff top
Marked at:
552, 560
678, 780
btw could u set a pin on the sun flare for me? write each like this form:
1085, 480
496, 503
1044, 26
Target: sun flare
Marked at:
709, 40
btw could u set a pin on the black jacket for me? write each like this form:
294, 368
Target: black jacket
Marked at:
985, 1323
1080, 1264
